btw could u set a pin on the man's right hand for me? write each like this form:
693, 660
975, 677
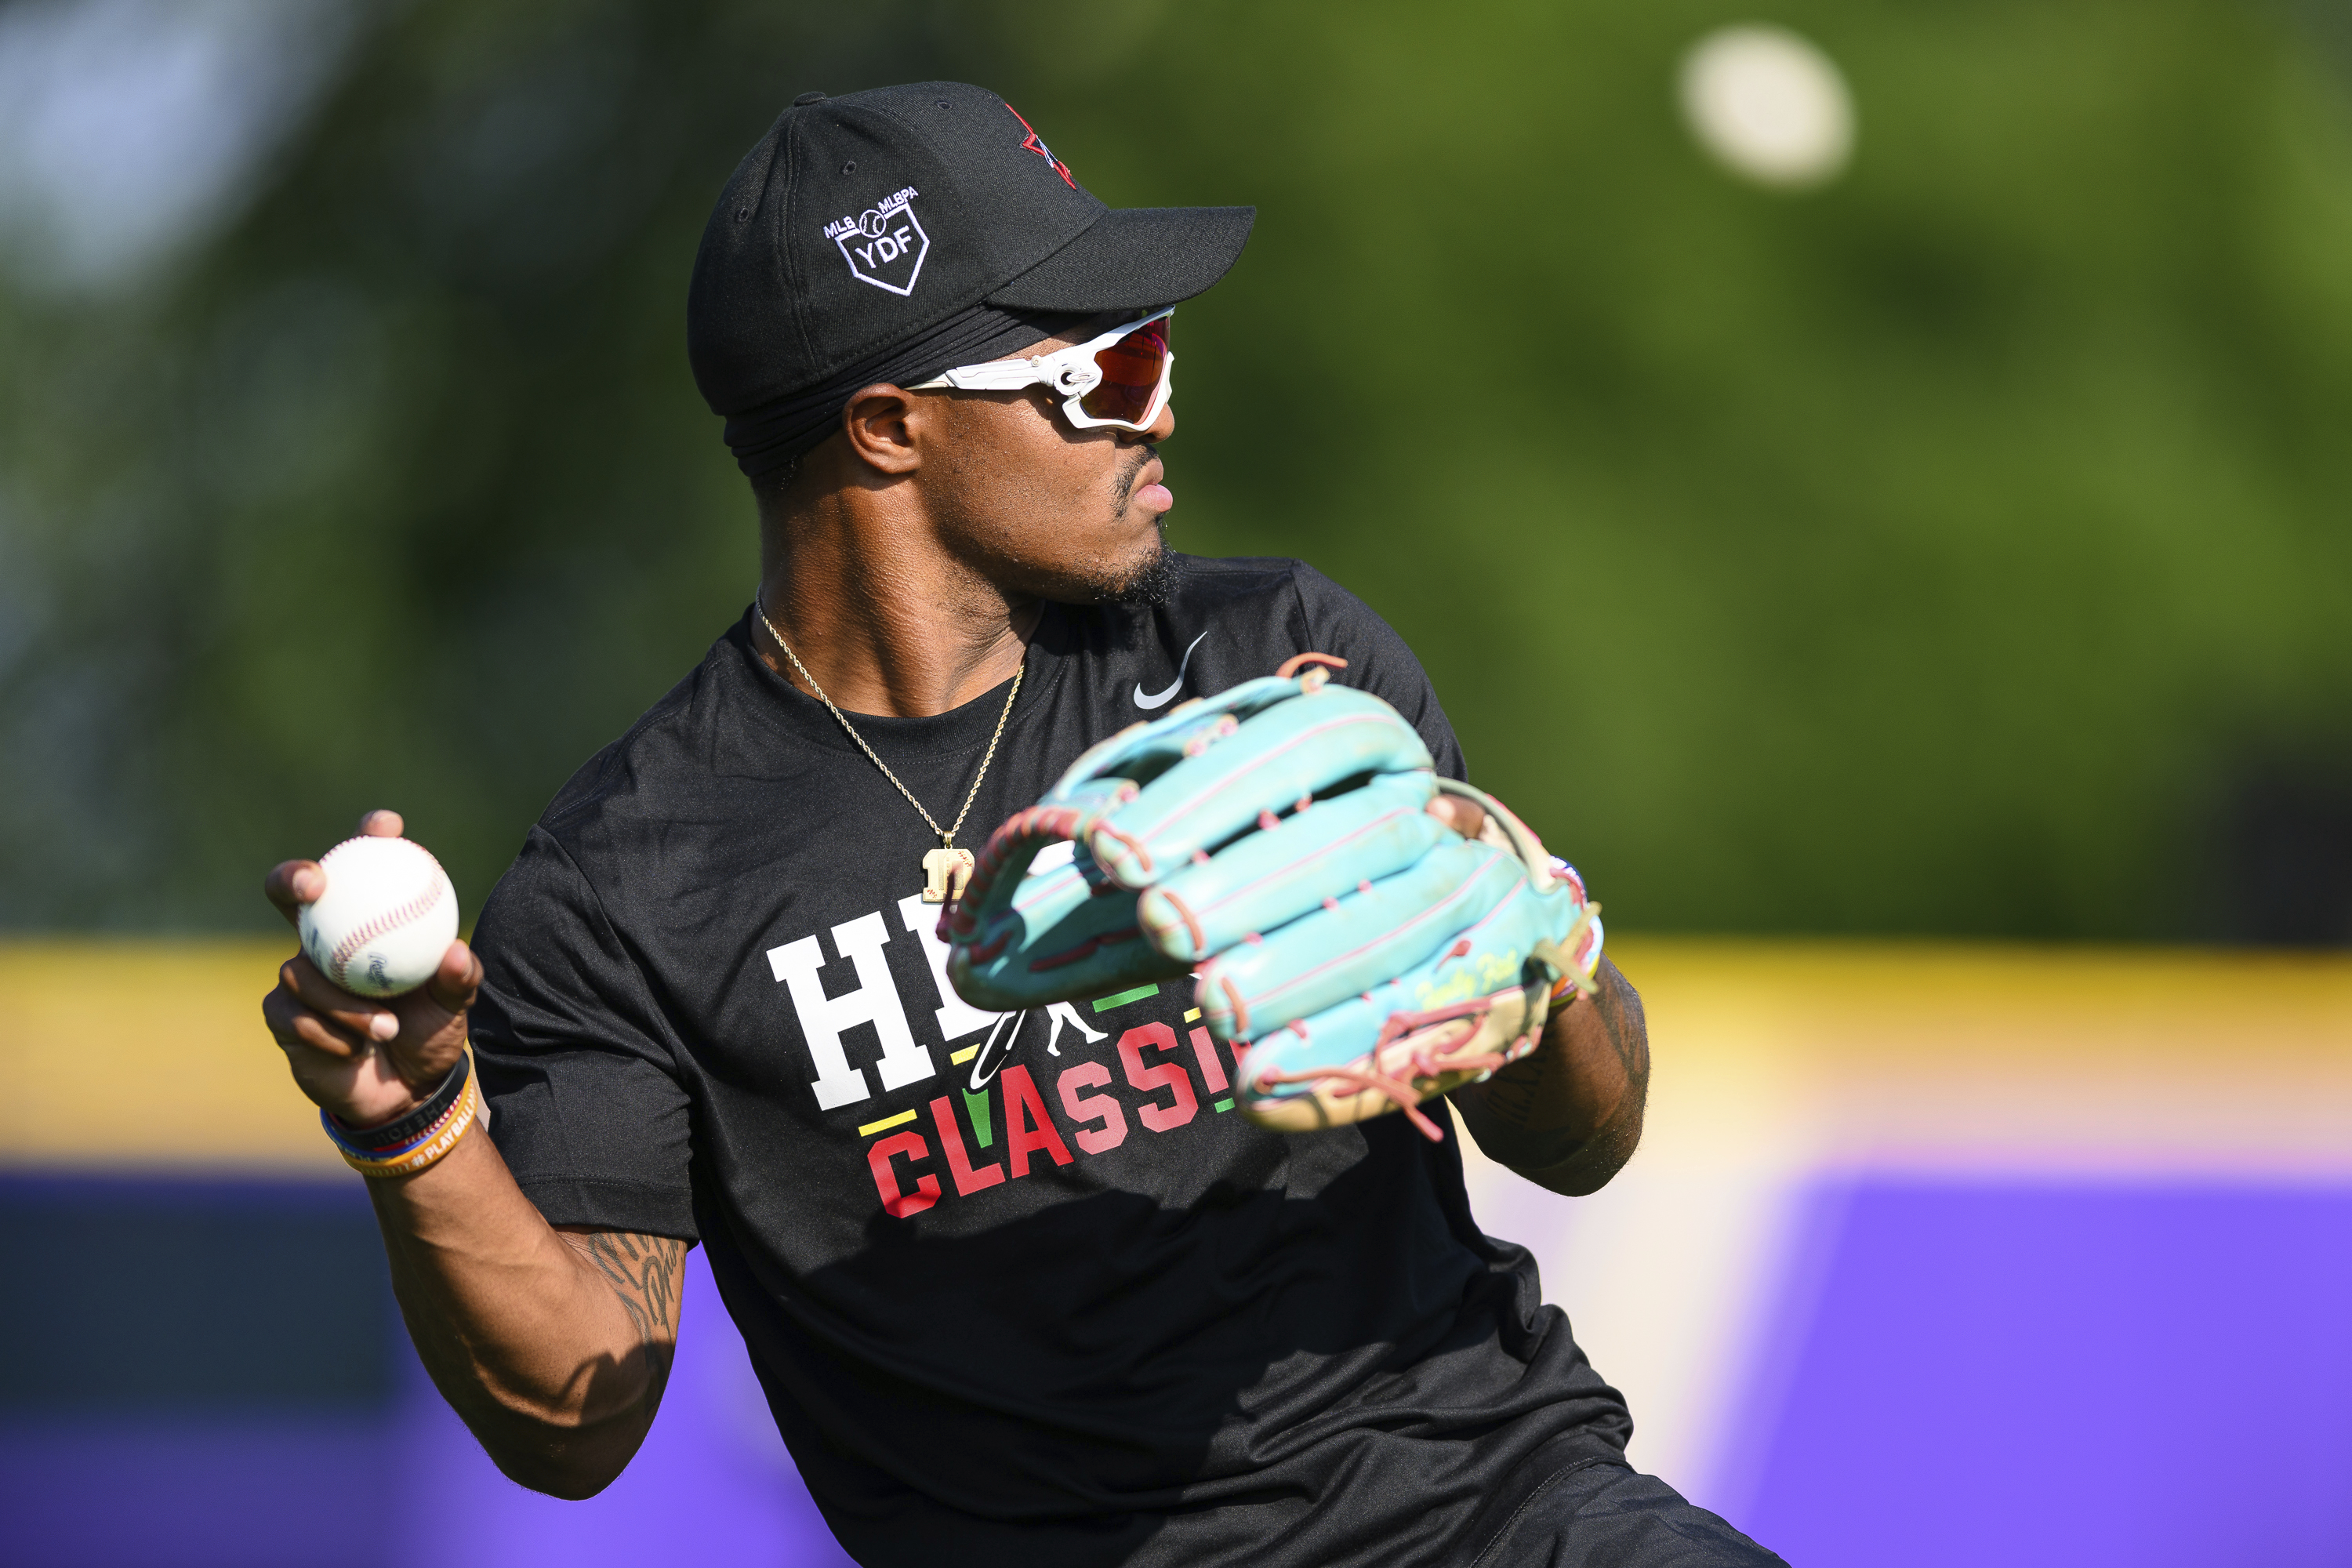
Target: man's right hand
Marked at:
365, 1059
553, 1348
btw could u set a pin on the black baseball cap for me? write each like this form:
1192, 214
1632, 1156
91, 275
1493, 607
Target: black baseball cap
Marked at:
929, 214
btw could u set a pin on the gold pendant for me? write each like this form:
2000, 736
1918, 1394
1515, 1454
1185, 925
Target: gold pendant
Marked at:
945, 871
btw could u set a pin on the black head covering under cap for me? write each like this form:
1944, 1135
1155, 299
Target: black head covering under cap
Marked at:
890, 234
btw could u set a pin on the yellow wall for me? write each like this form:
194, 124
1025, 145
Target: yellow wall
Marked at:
145, 1054
152, 1053
1776, 1064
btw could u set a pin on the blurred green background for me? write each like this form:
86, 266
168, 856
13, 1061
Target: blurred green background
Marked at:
1959, 548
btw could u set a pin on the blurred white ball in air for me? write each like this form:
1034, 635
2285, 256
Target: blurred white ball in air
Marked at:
1768, 105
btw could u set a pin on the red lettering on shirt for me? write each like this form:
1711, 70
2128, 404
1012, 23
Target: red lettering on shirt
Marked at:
1085, 1107
967, 1180
1204, 1051
898, 1205
1026, 1126
1170, 1076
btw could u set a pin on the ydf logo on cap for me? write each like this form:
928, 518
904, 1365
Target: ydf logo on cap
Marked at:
884, 244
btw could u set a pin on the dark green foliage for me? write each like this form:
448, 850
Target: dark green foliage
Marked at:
1941, 552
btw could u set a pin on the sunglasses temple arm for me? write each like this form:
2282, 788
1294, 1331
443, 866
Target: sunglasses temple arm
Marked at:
1007, 375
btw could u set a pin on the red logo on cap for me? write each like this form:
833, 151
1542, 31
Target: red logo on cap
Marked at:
1036, 144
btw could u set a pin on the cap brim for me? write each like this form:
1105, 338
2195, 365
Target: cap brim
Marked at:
1134, 257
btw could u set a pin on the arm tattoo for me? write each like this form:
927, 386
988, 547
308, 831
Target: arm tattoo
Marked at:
1630, 1040
644, 1273
1510, 1097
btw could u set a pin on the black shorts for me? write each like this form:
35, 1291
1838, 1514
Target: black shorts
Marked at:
1604, 1515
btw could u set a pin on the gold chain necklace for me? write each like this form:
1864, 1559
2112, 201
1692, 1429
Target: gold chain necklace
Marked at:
947, 869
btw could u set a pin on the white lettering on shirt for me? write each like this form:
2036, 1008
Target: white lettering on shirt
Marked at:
956, 1015
874, 1001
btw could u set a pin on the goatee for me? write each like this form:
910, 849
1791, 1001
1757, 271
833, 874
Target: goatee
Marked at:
1151, 584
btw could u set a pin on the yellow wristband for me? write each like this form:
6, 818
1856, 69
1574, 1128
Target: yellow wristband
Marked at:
430, 1153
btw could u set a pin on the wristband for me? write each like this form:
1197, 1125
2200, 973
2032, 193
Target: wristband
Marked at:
430, 1151
431, 1144
408, 1128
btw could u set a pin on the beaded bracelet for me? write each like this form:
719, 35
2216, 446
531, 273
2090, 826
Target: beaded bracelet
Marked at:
418, 1140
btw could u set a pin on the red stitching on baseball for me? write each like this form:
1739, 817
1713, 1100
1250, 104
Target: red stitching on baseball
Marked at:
391, 919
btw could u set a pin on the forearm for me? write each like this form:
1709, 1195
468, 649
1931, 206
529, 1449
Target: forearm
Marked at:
554, 1369
1568, 1114
553, 1347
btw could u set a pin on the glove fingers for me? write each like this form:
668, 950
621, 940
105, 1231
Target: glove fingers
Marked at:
1407, 919
1060, 945
1371, 957
1263, 880
1026, 935
1449, 1020
1006, 879
1143, 752
1346, 1033
1114, 960
1290, 751
1359, 1060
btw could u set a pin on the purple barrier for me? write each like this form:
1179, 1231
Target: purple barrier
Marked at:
712, 1484
2078, 1373
219, 1380
2071, 1373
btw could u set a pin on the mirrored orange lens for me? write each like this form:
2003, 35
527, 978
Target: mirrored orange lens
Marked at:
1132, 370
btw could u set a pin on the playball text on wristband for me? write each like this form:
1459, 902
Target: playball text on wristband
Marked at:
421, 1138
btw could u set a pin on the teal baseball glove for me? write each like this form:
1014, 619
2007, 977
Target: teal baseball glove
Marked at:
1275, 842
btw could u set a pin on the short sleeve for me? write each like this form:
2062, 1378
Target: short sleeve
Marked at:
1379, 661
576, 1059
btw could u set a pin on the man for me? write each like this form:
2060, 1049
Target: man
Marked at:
1020, 1288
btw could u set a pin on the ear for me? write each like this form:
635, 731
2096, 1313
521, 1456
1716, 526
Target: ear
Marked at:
884, 426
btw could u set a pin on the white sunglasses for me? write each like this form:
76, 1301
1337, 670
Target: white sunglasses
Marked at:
1122, 378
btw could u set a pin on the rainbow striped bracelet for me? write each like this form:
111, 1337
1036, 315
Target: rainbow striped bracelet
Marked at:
418, 1140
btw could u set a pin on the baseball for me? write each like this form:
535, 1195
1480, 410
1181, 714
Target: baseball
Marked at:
387, 916
1768, 105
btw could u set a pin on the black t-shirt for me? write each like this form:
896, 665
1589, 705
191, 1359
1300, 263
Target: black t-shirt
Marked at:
1089, 1315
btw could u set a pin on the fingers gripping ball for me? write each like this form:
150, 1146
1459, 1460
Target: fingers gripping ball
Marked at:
387, 916
1274, 841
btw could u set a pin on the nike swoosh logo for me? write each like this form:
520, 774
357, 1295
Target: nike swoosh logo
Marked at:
1149, 701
